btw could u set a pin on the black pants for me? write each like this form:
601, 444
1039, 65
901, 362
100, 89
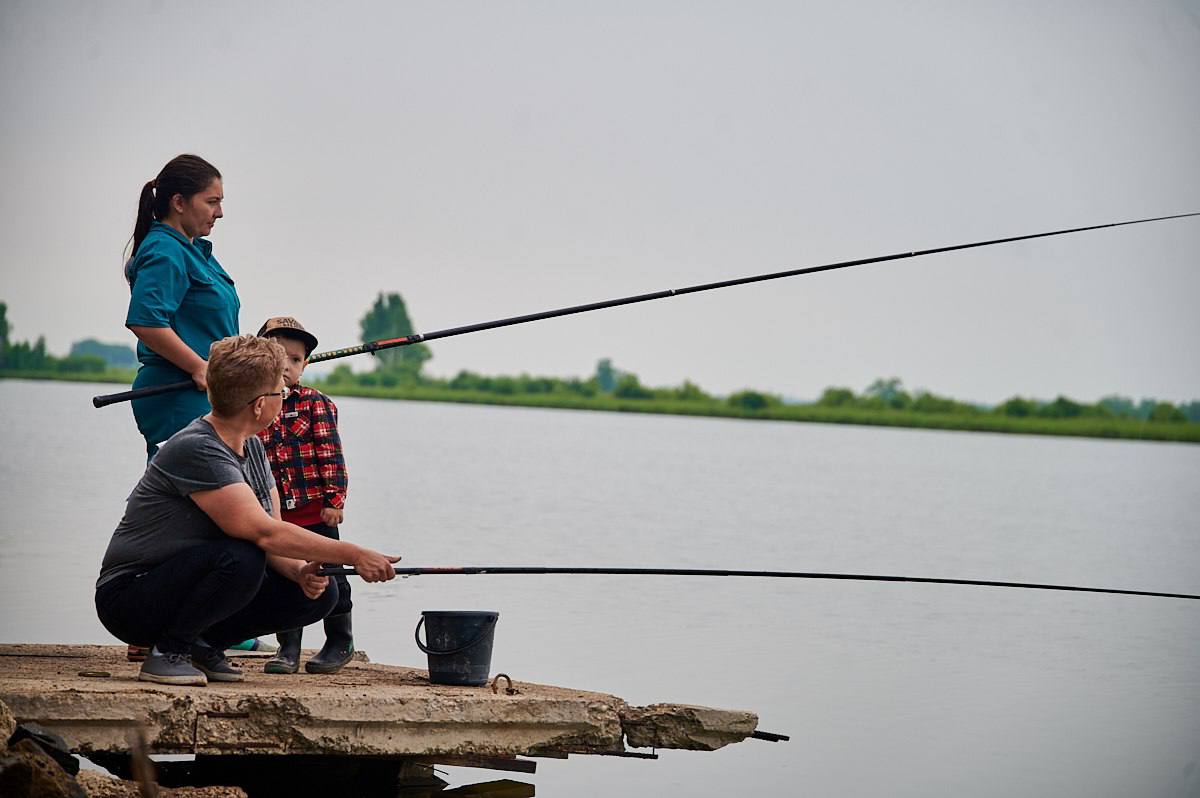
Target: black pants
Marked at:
220, 591
344, 604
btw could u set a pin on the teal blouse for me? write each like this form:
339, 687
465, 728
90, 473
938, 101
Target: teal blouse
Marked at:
178, 283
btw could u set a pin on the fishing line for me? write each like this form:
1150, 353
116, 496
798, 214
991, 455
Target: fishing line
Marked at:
487, 569
416, 338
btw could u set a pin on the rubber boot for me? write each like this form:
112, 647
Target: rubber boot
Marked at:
287, 659
338, 648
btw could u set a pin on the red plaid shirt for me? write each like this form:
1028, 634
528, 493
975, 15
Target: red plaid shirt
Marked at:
306, 452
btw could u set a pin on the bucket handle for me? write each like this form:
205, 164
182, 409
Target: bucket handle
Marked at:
417, 636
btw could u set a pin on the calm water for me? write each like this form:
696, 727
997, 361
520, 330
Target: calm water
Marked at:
885, 689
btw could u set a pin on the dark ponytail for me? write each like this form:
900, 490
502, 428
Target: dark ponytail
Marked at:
186, 175
144, 215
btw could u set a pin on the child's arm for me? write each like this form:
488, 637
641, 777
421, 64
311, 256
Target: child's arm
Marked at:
331, 465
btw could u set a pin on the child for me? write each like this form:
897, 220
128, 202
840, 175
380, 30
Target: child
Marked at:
310, 472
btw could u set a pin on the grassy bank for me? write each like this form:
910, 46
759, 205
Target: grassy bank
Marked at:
1181, 432
108, 375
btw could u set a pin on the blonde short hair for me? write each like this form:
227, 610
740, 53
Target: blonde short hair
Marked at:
241, 367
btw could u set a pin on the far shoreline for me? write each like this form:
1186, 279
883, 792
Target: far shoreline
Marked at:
1111, 429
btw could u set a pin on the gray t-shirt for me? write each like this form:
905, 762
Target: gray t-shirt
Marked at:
160, 518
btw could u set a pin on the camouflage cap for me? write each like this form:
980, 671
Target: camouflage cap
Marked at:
287, 325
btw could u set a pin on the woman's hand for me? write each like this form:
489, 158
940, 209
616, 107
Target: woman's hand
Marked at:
375, 567
200, 376
312, 585
331, 516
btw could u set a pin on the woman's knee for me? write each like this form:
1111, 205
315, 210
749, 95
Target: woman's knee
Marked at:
304, 611
242, 560
109, 618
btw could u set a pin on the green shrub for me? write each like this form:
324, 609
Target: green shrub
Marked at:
836, 397
1165, 412
1017, 407
750, 400
628, 387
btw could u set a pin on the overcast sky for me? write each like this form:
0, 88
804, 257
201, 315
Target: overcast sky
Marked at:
494, 158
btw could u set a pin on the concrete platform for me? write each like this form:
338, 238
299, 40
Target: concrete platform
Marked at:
90, 695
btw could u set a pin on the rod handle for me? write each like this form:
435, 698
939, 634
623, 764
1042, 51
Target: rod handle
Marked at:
336, 570
139, 393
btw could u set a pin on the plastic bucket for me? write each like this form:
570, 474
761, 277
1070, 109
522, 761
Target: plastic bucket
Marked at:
459, 645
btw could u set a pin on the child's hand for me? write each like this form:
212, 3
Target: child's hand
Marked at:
331, 516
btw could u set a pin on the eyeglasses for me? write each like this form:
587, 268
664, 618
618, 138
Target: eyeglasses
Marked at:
283, 395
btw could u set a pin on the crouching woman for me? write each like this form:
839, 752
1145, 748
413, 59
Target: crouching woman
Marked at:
201, 559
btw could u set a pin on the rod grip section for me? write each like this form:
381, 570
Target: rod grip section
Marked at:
139, 393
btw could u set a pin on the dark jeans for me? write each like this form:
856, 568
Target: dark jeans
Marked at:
220, 591
344, 603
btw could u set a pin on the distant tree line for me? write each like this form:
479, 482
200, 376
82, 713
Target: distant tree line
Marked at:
889, 394
117, 356
86, 357
402, 368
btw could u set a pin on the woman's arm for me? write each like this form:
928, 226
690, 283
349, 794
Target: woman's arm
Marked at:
166, 342
235, 509
299, 571
159, 286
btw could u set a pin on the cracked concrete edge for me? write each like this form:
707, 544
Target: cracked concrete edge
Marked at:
414, 727
373, 709
685, 726
183, 723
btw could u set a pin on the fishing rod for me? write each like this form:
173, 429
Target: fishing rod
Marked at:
488, 569
388, 343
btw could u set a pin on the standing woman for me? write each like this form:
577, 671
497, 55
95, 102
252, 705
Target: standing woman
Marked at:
181, 299
181, 302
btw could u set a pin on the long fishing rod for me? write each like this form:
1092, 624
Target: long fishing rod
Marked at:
487, 569
416, 338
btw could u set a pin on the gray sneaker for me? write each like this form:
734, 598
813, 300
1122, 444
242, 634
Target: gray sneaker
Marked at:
170, 668
215, 665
